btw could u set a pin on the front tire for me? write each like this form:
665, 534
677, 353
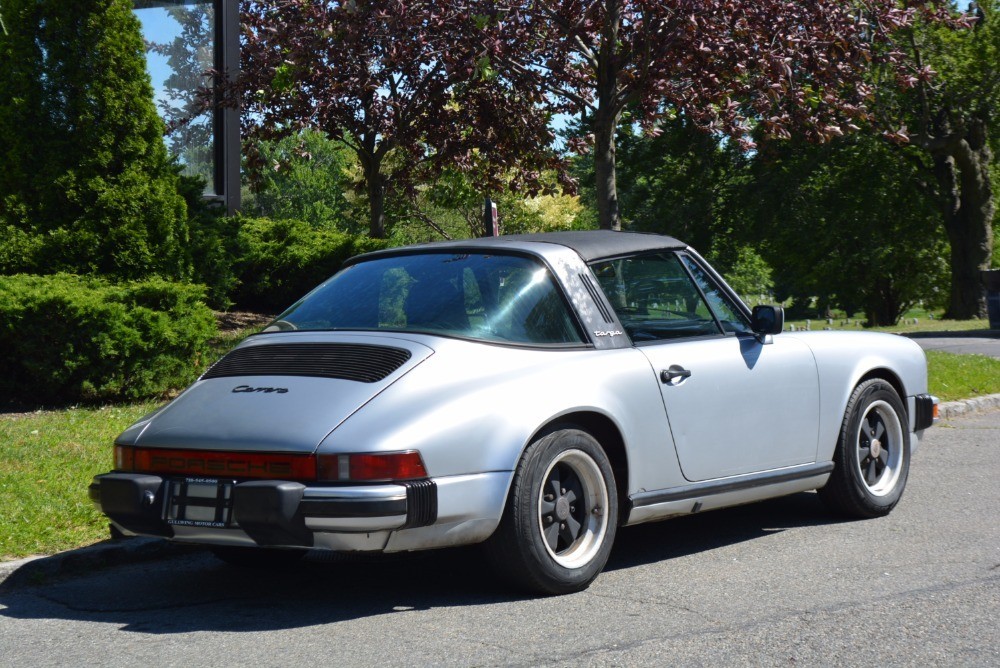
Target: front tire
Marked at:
561, 517
872, 459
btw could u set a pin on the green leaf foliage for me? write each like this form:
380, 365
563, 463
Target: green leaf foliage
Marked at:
307, 178
281, 260
846, 223
686, 183
213, 246
68, 338
87, 185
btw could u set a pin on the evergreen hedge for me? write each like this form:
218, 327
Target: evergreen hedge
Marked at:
68, 338
279, 261
87, 185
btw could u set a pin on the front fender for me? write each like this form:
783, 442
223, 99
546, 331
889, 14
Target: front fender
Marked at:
843, 359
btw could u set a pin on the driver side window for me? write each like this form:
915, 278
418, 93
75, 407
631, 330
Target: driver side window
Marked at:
655, 298
730, 317
663, 296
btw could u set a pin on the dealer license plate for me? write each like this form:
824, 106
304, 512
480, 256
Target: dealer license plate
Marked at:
200, 502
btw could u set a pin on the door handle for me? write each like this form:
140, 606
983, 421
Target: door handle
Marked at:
673, 373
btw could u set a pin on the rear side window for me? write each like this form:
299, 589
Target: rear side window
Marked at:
503, 298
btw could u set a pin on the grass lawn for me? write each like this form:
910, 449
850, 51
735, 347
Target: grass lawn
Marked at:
952, 377
905, 326
47, 458
46, 463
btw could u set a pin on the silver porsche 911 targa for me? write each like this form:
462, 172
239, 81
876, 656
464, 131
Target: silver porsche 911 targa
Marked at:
532, 393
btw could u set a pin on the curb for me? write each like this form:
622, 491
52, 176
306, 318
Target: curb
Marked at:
950, 409
34, 570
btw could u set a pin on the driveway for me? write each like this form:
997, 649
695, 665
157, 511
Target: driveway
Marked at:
976, 342
777, 583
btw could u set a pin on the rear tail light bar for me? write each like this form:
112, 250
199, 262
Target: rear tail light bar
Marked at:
356, 467
372, 466
213, 464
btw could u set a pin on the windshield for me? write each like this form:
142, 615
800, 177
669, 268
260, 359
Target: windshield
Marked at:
505, 298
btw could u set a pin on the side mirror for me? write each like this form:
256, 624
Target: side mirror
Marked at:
767, 320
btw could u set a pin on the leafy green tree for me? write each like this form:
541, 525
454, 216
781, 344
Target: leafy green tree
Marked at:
778, 66
846, 224
311, 178
213, 248
680, 181
405, 85
951, 114
452, 207
673, 182
87, 183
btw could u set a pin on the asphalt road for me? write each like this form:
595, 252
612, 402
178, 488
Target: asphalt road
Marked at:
777, 583
978, 342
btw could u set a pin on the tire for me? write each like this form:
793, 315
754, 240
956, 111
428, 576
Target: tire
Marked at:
561, 516
256, 557
872, 459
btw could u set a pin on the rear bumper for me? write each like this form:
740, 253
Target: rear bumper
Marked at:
269, 512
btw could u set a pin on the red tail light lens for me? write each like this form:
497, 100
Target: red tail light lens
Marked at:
372, 466
358, 467
203, 463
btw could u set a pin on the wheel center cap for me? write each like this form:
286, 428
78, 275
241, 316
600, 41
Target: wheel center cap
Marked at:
562, 508
876, 448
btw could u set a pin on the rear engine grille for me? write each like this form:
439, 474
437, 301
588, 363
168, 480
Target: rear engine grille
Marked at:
363, 363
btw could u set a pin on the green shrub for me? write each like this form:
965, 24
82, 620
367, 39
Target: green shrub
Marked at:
214, 244
281, 260
86, 181
67, 338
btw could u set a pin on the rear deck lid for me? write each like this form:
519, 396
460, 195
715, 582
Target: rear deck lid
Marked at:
280, 393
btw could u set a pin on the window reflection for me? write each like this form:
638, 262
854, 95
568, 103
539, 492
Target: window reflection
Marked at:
180, 46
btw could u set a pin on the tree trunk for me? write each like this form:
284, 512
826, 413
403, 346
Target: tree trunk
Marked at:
883, 305
962, 173
371, 166
606, 121
604, 166
376, 203
370, 155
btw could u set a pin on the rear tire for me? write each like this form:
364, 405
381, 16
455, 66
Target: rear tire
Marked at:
256, 557
872, 459
561, 517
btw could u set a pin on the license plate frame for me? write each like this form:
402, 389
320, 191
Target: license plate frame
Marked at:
199, 502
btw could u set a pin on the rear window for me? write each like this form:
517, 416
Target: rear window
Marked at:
502, 298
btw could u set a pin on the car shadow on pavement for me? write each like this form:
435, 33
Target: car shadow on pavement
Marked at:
692, 534
195, 592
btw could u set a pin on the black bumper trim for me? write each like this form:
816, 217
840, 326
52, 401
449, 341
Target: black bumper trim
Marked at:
923, 411
271, 512
268, 511
352, 508
133, 501
421, 503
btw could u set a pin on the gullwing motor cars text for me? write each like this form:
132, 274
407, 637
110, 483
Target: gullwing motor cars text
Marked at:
532, 393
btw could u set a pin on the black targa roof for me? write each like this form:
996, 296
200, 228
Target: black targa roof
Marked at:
589, 244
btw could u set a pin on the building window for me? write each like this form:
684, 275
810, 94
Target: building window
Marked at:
184, 38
